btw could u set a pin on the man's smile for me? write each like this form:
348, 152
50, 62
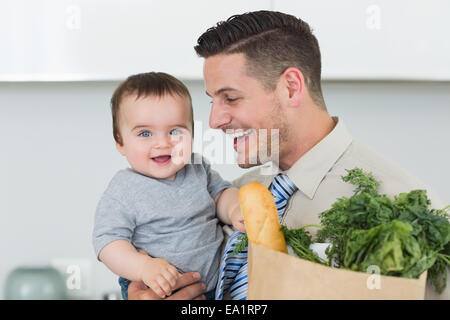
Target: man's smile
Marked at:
239, 136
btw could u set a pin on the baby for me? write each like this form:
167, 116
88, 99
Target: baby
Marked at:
169, 202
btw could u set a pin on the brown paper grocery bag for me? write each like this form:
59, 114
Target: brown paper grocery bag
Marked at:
274, 275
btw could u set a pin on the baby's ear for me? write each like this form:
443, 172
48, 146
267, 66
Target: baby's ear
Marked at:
120, 148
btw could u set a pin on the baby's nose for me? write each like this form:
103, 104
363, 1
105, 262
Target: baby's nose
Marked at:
163, 142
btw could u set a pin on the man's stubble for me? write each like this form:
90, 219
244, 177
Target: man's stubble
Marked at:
270, 142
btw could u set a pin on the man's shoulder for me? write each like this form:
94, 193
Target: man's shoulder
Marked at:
383, 168
393, 178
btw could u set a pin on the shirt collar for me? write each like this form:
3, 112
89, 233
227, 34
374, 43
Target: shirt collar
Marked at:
308, 172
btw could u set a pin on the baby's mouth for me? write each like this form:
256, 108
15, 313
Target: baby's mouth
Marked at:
162, 159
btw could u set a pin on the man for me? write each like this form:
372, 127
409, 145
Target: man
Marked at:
263, 71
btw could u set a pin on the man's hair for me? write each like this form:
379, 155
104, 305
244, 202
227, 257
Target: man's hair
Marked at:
157, 84
272, 42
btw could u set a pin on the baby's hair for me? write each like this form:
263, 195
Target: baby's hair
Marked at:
156, 84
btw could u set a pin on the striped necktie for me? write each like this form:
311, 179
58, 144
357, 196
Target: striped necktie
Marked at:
233, 268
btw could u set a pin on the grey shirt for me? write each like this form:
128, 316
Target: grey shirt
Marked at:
175, 220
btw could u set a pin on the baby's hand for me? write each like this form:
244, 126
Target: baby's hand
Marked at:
160, 276
237, 220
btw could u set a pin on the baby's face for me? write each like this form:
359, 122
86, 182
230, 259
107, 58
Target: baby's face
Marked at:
156, 134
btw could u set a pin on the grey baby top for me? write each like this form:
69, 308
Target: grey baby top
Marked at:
175, 220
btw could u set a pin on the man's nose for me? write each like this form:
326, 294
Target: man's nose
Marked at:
218, 117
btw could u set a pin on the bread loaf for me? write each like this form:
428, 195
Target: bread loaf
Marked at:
261, 216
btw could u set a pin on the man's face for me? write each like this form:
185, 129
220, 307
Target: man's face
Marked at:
241, 105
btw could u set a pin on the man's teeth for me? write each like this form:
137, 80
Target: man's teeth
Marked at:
240, 133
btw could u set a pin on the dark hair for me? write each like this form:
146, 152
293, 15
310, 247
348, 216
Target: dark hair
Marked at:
272, 42
156, 84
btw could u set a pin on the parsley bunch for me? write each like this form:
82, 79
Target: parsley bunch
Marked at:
300, 240
403, 237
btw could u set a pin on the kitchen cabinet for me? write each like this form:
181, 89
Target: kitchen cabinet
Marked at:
378, 39
107, 40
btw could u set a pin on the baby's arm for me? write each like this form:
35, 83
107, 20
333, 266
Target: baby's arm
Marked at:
228, 208
121, 257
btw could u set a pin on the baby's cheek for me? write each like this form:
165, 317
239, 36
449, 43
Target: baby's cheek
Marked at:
181, 152
141, 155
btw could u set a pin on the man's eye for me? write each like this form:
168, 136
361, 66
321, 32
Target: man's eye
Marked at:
176, 131
145, 134
230, 100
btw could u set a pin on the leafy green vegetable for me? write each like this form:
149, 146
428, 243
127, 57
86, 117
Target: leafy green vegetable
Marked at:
391, 247
437, 274
300, 240
403, 237
364, 210
242, 244
433, 225
364, 182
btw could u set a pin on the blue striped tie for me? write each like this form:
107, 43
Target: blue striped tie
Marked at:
233, 268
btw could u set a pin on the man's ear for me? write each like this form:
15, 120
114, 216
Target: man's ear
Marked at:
294, 83
120, 148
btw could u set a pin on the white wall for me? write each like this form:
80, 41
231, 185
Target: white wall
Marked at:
58, 155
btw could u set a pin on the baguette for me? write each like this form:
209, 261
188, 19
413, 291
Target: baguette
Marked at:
261, 217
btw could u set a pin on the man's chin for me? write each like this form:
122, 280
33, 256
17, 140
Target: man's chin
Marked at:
245, 165
248, 164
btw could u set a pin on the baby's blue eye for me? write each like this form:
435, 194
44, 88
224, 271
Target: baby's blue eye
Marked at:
178, 131
145, 134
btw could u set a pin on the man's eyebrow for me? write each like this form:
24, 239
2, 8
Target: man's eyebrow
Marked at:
221, 91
